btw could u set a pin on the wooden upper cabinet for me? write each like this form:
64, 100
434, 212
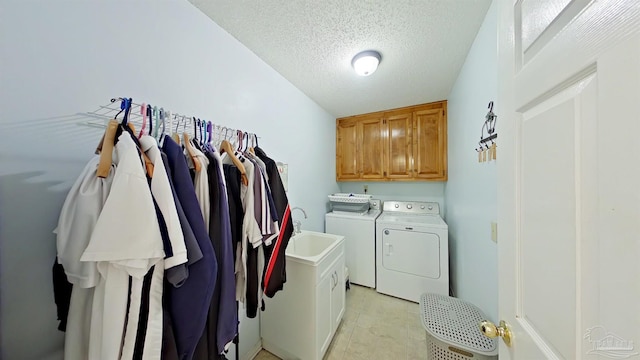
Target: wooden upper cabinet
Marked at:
407, 144
399, 149
346, 150
430, 145
371, 156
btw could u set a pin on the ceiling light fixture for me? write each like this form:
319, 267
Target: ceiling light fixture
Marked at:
366, 62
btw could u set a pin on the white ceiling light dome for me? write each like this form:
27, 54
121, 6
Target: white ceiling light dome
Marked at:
366, 62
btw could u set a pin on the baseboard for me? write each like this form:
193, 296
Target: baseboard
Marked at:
253, 352
277, 351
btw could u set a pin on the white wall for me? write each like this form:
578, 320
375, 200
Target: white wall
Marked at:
471, 192
60, 58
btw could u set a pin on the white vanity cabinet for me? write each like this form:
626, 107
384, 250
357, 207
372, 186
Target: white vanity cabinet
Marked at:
300, 321
331, 302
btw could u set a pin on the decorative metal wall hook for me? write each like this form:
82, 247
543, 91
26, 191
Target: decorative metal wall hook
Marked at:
487, 145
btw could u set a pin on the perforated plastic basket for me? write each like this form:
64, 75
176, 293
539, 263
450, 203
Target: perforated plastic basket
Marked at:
353, 203
350, 198
452, 329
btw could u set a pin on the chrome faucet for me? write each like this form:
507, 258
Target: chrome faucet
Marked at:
297, 224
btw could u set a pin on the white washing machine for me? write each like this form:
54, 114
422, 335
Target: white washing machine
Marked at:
412, 248
359, 231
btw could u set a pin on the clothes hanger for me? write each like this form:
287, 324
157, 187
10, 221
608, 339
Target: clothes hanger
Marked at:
106, 152
225, 146
221, 135
203, 133
148, 164
224, 136
216, 135
198, 138
143, 113
254, 140
159, 113
105, 147
244, 145
203, 139
210, 133
165, 115
190, 149
175, 135
150, 116
123, 106
239, 135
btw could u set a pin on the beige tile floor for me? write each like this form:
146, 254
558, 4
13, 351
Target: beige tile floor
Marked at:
375, 326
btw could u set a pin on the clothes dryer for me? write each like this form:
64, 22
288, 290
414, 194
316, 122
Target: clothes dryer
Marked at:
412, 250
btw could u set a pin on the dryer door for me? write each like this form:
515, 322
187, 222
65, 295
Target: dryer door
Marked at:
411, 252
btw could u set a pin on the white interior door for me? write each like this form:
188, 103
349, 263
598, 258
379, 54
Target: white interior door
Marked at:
569, 178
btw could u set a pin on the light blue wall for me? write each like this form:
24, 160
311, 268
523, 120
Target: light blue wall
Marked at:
471, 192
64, 57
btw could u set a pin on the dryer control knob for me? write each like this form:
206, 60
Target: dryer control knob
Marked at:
430, 207
422, 207
397, 206
409, 206
386, 232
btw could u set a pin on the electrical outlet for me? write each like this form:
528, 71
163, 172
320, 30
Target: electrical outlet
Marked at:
366, 188
494, 232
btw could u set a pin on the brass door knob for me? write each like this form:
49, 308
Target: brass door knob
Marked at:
490, 330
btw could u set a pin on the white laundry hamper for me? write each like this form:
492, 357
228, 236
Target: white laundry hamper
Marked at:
452, 329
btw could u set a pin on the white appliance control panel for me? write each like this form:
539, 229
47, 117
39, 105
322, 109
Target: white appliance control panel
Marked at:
412, 207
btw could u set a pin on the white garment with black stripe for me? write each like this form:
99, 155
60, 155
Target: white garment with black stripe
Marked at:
126, 242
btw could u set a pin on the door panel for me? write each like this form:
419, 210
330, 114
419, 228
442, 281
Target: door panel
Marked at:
346, 154
568, 178
549, 253
541, 21
411, 252
371, 154
537, 16
323, 313
338, 295
429, 144
399, 148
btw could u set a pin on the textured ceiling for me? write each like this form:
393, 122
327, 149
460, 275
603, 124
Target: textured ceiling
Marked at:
311, 43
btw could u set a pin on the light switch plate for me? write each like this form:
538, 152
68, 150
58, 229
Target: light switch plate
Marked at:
494, 232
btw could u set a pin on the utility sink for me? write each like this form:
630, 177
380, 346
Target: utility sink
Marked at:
312, 302
311, 247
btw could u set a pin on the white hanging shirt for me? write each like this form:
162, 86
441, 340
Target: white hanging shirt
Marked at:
161, 190
126, 242
78, 217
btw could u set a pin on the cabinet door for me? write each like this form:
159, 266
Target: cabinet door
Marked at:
346, 150
371, 155
324, 326
430, 144
398, 149
338, 295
